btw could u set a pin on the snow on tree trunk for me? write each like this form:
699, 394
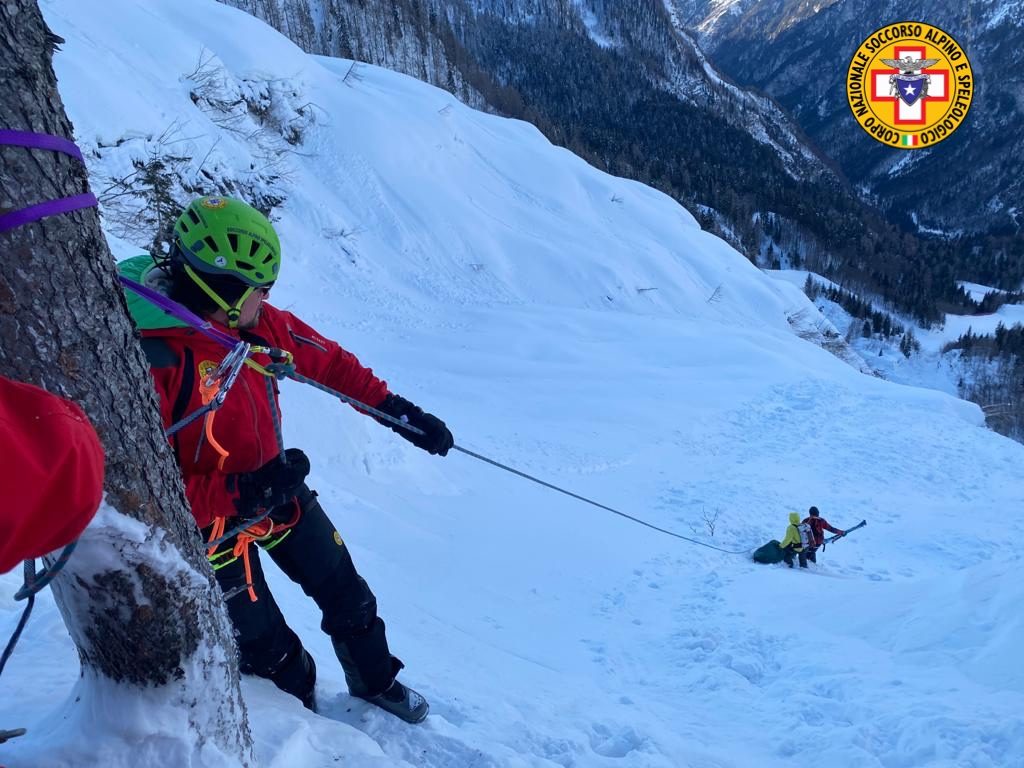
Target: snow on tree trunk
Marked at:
138, 597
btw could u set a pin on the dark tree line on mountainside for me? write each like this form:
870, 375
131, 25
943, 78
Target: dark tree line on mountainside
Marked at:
993, 259
1005, 343
877, 323
993, 377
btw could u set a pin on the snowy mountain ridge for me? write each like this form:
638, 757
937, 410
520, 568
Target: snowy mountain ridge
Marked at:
583, 329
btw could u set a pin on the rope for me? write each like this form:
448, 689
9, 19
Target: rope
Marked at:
37, 581
287, 370
17, 633
596, 504
275, 415
239, 528
398, 422
290, 373
30, 576
180, 425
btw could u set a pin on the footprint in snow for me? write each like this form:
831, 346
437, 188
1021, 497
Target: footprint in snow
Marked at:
615, 741
426, 745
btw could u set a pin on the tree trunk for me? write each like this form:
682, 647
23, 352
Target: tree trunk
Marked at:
138, 596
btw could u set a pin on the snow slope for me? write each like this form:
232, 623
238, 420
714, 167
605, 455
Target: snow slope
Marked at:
505, 285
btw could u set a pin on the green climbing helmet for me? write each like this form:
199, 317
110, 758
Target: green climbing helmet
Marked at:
226, 237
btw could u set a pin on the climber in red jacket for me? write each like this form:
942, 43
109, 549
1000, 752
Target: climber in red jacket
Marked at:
224, 261
51, 472
818, 527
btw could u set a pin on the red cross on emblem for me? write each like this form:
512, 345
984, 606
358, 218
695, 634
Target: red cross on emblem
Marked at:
912, 108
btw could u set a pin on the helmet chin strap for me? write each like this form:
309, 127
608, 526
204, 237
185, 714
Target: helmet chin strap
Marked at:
234, 312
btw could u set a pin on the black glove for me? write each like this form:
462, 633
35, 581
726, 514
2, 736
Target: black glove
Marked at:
272, 485
436, 439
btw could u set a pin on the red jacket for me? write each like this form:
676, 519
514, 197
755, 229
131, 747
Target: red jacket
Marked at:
51, 472
244, 425
818, 526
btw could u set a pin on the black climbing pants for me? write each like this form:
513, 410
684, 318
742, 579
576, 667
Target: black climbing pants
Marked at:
788, 553
313, 555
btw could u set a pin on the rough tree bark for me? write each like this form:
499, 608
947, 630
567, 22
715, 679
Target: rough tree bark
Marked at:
138, 597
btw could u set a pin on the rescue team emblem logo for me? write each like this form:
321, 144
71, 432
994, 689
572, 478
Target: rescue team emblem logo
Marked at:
910, 85
214, 202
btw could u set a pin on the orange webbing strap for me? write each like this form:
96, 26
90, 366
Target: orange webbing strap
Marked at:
208, 424
261, 531
208, 389
219, 523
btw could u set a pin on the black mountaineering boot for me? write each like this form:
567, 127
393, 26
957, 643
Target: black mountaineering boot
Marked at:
401, 702
369, 667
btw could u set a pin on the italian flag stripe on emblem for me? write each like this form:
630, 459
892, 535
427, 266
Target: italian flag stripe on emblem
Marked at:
909, 140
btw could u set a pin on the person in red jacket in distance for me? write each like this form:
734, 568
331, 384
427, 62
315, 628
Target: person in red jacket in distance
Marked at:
818, 527
224, 261
51, 472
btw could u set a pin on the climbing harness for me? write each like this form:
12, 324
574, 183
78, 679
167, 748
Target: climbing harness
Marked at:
213, 389
251, 532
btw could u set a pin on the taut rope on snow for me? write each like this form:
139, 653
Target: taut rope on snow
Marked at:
596, 504
291, 374
287, 370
